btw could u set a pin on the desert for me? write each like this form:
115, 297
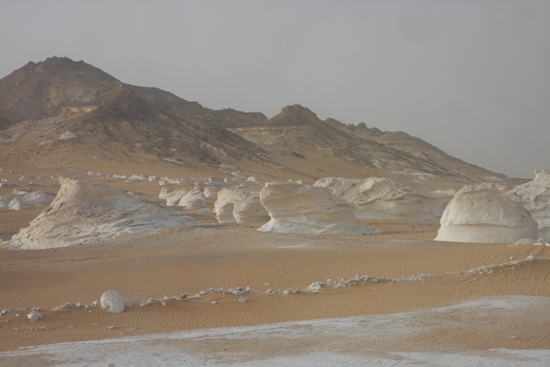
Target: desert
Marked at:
262, 224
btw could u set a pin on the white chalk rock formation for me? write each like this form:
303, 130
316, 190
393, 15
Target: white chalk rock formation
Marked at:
27, 197
174, 197
250, 210
192, 200
535, 197
252, 179
383, 198
153, 178
296, 208
86, 211
247, 205
16, 204
483, 214
112, 301
224, 213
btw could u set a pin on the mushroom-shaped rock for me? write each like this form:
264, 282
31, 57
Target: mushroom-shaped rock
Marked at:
112, 301
86, 211
483, 214
296, 208
224, 213
383, 198
34, 316
535, 197
16, 204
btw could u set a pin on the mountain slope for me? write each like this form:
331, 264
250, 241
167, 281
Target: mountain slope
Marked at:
40, 102
298, 131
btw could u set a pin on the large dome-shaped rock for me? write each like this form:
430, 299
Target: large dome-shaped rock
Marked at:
296, 208
483, 214
535, 197
247, 207
383, 198
85, 211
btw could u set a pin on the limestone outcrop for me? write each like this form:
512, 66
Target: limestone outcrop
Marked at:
28, 197
193, 199
86, 211
535, 197
383, 198
247, 207
483, 214
296, 208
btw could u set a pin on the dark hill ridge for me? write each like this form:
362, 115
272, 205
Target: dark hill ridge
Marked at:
299, 130
59, 95
41, 90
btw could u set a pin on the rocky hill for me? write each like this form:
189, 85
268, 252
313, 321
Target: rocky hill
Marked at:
61, 105
59, 109
297, 131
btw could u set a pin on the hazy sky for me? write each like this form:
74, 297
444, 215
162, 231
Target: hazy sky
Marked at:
471, 77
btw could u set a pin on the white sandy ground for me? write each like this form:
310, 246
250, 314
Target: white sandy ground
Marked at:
381, 340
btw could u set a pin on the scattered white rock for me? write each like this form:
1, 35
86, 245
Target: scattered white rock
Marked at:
68, 135
34, 316
242, 300
298, 208
252, 179
483, 214
112, 301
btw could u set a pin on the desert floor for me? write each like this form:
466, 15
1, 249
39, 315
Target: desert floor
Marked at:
423, 286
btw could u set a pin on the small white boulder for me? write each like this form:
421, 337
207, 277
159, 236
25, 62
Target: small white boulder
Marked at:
112, 301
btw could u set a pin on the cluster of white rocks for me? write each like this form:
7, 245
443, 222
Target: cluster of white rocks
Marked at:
490, 269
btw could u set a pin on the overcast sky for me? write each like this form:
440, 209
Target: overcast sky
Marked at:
471, 77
